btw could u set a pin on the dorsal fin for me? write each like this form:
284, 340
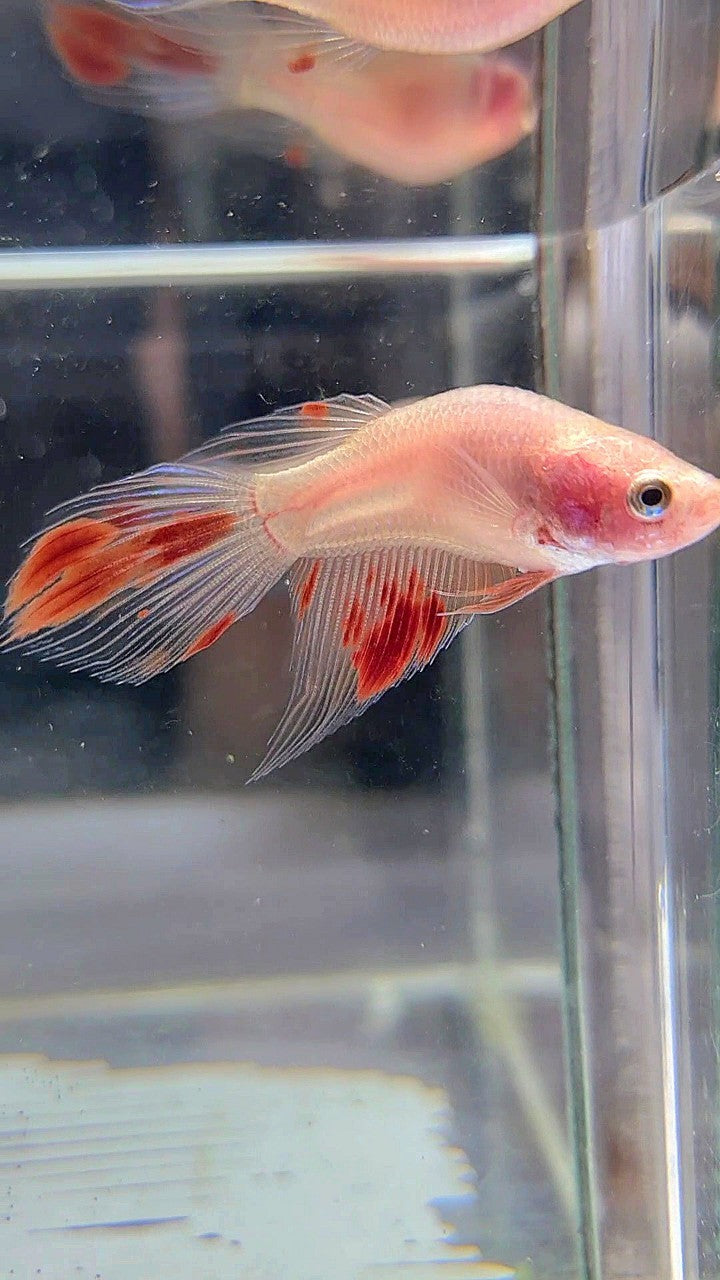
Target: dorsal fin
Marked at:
298, 433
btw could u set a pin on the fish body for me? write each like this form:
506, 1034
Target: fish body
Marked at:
410, 26
415, 118
393, 528
491, 472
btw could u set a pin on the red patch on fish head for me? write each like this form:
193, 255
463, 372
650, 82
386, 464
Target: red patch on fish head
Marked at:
504, 92
576, 495
302, 63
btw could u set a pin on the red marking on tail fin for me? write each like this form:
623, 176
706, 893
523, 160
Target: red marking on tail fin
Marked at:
410, 628
80, 588
315, 409
91, 44
81, 564
304, 62
212, 634
99, 48
307, 590
184, 537
106, 30
53, 554
165, 54
142, 614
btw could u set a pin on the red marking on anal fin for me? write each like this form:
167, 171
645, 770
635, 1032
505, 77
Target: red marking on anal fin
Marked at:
209, 636
307, 590
315, 409
432, 627
353, 624
406, 631
302, 63
54, 554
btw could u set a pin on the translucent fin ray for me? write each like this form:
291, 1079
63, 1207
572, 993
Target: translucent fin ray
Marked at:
366, 622
299, 432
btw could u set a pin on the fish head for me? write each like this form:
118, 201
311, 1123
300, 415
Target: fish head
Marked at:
622, 498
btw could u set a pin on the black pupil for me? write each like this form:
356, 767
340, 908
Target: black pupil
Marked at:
652, 496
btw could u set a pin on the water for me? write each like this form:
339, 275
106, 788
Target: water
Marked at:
369, 1018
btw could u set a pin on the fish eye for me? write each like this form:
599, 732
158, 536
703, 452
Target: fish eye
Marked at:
649, 497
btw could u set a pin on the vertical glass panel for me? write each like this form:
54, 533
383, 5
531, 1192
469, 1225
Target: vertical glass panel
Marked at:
312, 1027
627, 335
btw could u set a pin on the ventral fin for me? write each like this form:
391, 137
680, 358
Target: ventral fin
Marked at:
366, 622
504, 593
298, 433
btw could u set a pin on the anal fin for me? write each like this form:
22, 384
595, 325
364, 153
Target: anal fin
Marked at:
366, 622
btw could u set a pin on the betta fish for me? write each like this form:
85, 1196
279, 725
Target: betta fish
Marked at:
393, 528
414, 118
408, 26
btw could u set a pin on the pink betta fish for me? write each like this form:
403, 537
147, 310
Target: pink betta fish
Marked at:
393, 527
414, 118
409, 26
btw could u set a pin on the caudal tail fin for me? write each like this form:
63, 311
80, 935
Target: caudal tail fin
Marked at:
140, 574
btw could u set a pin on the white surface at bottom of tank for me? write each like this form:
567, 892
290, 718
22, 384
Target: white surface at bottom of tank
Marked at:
225, 1170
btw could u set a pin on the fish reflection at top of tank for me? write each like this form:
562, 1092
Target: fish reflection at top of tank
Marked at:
395, 527
414, 118
411, 26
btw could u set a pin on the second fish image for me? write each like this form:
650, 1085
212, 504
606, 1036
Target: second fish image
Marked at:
415, 117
